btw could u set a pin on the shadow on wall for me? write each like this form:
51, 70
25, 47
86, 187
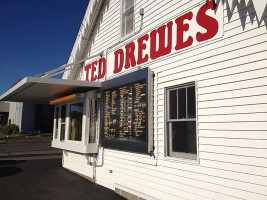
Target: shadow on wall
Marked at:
246, 12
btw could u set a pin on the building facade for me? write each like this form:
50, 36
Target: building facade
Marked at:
170, 99
4, 113
31, 118
218, 152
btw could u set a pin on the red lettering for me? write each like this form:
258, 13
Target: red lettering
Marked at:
162, 49
129, 55
117, 66
181, 27
93, 76
141, 47
207, 22
102, 68
87, 67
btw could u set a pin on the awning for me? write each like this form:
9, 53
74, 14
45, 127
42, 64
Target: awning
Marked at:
42, 90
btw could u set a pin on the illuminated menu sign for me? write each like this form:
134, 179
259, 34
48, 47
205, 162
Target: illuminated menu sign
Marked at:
126, 103
125, 112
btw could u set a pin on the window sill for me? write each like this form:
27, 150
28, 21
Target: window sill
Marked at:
182, 160
126, 37
89, 148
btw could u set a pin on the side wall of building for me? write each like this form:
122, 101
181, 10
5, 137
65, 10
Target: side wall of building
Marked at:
230, 74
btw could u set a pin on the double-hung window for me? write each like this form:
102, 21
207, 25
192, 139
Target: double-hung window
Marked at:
181, 121
127, 17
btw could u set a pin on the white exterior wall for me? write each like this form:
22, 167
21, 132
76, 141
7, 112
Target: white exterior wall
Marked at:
15, 113
231, 77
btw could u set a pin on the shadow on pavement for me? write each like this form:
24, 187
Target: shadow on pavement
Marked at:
9, 171
10, 162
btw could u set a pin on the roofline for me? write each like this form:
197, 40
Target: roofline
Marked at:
81, 33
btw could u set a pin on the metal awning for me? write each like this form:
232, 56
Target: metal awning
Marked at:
42, 90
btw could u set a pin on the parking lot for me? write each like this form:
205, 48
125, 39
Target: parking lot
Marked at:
40, 177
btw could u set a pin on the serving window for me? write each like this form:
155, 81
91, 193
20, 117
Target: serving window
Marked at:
76, 120
76, 123
125, 111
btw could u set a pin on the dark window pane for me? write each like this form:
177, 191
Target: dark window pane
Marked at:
173, 104
62, 132
191, 102
184, 137
182, 103
76, 115
63, 113
129, 22
123, 26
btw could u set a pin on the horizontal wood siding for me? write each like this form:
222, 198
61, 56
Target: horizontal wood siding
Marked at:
231, 75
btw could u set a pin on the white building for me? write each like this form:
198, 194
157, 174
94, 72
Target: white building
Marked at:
4, 112
164, 99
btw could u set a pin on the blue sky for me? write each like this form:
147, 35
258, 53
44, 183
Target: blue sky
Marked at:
36, 36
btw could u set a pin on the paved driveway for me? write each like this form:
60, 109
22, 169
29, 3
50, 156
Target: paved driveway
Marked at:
45, 179
27, 148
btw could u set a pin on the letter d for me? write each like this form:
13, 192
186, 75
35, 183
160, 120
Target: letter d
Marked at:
117, 65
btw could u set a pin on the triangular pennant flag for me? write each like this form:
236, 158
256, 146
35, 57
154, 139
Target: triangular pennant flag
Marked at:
259, 7
231, 4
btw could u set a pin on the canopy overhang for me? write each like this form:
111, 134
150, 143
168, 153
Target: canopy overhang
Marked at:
43, 90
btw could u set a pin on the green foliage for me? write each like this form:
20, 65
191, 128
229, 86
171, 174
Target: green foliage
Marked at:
10, 129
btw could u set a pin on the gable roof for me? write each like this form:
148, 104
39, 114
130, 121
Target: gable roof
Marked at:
94, 8
83, 35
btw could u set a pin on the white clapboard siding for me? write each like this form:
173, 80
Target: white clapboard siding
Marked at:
260, 90
248, 117
242, 100
248, 152
237, 85
245, 143
231, 75
258, 135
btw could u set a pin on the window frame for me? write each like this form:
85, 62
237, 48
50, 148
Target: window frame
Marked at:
122, 13
168, 123
89, 96
56, 123
60, 123
84, 116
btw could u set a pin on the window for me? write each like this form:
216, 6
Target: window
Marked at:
63, 122
76, 116
181, 121
56, 122
127, 17
93, 120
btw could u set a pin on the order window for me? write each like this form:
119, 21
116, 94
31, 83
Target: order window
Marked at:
127, 17
181, 121
76, 116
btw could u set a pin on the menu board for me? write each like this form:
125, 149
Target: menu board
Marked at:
125, 112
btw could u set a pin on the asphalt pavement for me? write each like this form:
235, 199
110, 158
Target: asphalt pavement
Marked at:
27, 148
45, 179
33, 171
